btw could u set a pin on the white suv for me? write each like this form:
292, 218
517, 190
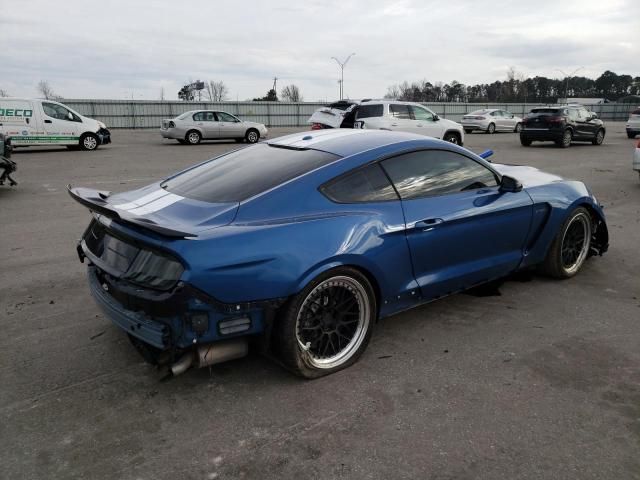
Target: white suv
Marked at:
389, 115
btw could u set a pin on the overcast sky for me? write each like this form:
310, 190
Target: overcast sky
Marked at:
116, 49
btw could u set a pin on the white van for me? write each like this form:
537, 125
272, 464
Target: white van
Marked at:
45, 122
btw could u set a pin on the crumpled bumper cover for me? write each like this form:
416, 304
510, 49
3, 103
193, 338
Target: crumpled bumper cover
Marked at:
105, 136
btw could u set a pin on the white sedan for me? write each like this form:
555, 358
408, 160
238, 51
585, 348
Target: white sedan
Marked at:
192, 127
491, 121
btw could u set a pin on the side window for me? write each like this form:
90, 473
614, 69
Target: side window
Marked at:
209, 117
368, 184
420, 113
198, 117
436, 172
225, 117
368, 111
58, 112
494, 114
400, 111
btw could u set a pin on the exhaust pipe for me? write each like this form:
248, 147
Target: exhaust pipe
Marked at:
212, 353
182, 365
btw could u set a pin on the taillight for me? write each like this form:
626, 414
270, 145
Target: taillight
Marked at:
316, 126
479, 118
172, 125
638, 146
554, 119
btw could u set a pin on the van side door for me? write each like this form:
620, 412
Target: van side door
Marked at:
61, 126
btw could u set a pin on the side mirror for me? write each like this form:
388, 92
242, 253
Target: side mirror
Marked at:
593, 116
510, 184
435, 117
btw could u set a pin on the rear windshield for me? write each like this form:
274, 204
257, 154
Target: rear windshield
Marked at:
244, 173
368, 111
545, 110
478, 112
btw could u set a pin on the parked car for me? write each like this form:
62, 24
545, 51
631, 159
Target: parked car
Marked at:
387, 115
491, 120
192, 127
633, 124
562, 124
37, 122
636, 159
303, 242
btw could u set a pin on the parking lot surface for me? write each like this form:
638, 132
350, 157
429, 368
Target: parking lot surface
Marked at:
536, 379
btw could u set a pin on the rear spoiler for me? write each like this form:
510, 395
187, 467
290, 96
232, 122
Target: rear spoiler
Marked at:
96, 201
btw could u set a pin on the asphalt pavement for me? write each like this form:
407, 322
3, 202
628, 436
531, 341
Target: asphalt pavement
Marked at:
538, 379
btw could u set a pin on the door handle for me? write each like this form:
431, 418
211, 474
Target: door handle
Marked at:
429, 223
394, 124
48, 121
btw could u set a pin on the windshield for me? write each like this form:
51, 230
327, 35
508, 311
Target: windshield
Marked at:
242, 174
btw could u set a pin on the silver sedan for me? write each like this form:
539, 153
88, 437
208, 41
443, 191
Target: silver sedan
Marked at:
491, 121
192, 127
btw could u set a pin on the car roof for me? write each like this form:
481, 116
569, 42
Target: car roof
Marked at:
346, 141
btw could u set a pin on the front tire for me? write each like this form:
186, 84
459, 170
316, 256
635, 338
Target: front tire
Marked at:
452, 137
327, 326
89, 141
491, 129
518, 128
252, 135
599, 137
570, 247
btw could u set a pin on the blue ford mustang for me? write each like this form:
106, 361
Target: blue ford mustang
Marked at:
303, 242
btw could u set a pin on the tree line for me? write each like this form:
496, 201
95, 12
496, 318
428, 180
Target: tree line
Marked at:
517, 89
217, 91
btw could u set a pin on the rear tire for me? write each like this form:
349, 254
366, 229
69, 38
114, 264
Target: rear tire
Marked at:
193, 137
89, 141
491, 128
252, 135
599, 137
570, 247
337, 307
567, 136
525, 142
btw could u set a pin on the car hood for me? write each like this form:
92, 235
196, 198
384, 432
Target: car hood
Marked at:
528, 176
156, 209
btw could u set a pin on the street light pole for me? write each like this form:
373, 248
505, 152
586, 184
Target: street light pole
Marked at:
566, 88
342, 65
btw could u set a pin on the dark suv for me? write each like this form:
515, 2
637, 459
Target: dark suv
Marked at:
563, 125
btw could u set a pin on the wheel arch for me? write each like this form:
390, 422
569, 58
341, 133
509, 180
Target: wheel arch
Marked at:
454, 132
349, 261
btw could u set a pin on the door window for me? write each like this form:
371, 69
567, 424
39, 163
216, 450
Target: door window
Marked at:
420, 113
400, 111
368, 184
436, 172
225, 117
199, 117
58, 112
368, 111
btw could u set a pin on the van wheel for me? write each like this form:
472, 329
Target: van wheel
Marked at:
193, 137
252, 135
89, 141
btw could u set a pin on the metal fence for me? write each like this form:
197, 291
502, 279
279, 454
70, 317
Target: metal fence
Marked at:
149, 114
